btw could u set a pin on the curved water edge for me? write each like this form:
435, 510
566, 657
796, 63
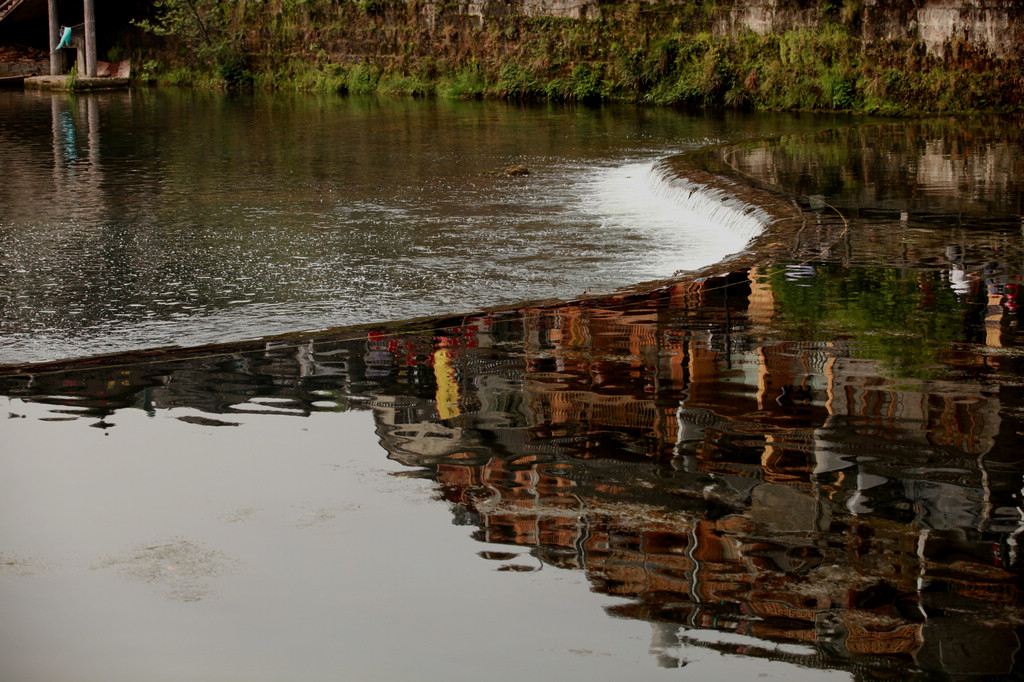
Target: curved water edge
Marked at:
614, 228
318, 213
705, 213
571, 230
704, 226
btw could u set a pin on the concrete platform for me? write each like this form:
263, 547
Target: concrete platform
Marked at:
79, 83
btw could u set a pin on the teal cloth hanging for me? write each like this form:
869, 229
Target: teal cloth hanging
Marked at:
64, 38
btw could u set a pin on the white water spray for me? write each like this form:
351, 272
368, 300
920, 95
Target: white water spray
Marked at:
694, 225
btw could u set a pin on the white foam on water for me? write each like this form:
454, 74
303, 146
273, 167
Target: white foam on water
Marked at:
693, 225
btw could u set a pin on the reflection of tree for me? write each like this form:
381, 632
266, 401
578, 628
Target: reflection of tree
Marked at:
902, 319
931, 166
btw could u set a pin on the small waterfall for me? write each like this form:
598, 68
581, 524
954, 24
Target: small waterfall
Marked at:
689, 225
713, 204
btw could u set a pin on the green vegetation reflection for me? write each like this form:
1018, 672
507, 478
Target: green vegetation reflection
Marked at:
902, 318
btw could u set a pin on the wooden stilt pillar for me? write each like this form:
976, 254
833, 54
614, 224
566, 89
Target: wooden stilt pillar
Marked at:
56, 56
90, 38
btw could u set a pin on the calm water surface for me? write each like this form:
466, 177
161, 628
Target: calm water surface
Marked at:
802, 465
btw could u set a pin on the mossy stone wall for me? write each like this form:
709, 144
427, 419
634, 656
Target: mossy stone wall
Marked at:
862, 55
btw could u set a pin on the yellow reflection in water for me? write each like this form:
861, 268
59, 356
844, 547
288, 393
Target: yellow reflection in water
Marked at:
447, 384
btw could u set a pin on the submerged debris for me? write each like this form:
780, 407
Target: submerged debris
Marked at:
513, 170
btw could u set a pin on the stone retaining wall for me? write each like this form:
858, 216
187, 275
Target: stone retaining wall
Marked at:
996, 26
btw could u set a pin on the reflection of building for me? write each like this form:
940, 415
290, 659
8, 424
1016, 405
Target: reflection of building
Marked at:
793, 492
786, 566
723, 476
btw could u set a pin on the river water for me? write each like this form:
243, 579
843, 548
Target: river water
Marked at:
145, 219
793, 454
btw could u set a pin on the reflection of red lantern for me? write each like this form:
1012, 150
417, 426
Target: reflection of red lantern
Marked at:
1011, 297
927, 292
447, 341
